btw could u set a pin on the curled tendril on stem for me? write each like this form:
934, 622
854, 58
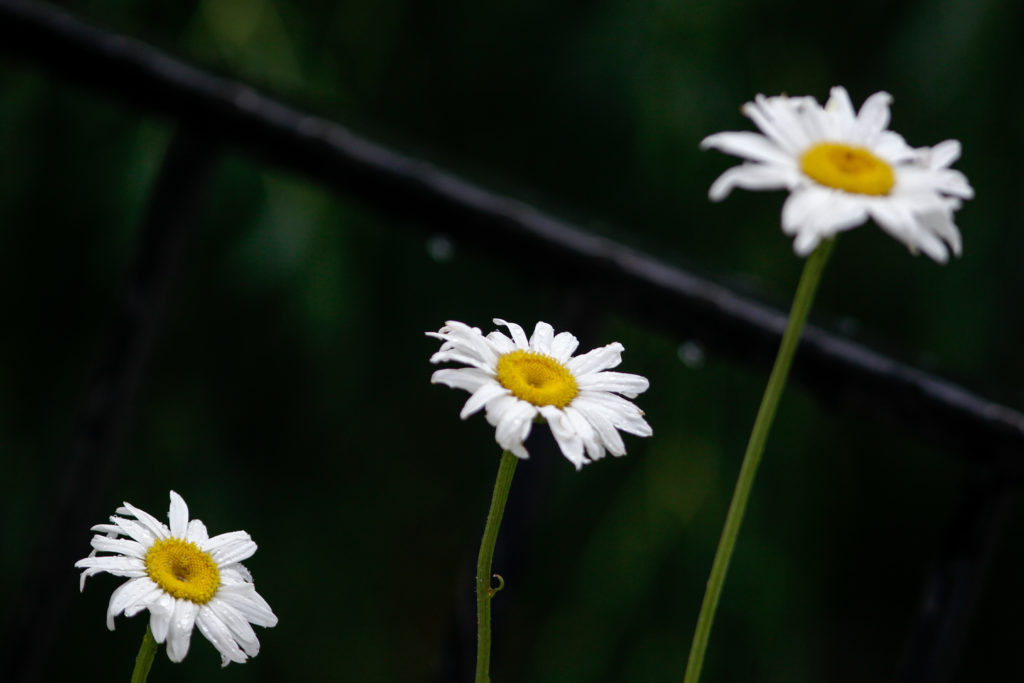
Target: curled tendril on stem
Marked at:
501, 584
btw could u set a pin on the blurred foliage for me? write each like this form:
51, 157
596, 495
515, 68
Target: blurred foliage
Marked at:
290, 392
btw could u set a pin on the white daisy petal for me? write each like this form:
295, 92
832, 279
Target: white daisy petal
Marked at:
500, 342
152, 524
751, 177
567, 437
85, 575
161, 609
480, 397
941, 223
591, 442
873, 117
513, 425
842, 168
469, 339
563, 346
217, 632
932, 246
499, 406
600, 419
894, 149
123, 546
136, 531
239, 628
177, 573
543, 336
132, 610
601, 358
895, 219
954, 183
236, 573
179, 634
247, 602
623, 414
840, 213
818, 124
799, 206
748, 145
620, 382
234, 546
840, 107
790, 115
117, 565
518, 336
925, 180
774, 117
141, 591
92, 571
807, 241
944, 154
178, 516
467, 379
459, 357
197, 532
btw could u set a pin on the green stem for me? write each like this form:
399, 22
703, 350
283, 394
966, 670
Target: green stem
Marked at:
484, 592
144, 660
755, 447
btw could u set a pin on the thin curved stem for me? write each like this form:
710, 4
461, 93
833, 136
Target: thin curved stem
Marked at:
755, 447
144, 660
484, 592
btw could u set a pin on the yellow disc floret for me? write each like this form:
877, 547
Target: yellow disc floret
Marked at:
181, 569
536, 378
849, 168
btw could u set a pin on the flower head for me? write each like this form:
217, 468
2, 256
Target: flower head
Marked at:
841, 168
519, 379
183, 577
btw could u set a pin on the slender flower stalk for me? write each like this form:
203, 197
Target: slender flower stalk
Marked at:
755, 447
520, 380
144, 660
484, 592
841, 168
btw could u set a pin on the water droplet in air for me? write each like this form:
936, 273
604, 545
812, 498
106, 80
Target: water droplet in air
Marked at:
692, 355
440, 249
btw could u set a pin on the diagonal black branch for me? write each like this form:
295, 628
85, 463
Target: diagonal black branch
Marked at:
834, 368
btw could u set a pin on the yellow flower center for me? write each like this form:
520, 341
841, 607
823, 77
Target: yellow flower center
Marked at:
537, 378
844, 167
183, 570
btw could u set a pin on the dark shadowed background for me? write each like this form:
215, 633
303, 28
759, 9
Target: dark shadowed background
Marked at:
289, 395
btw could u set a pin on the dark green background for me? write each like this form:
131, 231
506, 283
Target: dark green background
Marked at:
290, 395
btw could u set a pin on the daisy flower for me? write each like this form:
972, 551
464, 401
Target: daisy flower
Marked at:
841, 168
183, 577
518, 379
